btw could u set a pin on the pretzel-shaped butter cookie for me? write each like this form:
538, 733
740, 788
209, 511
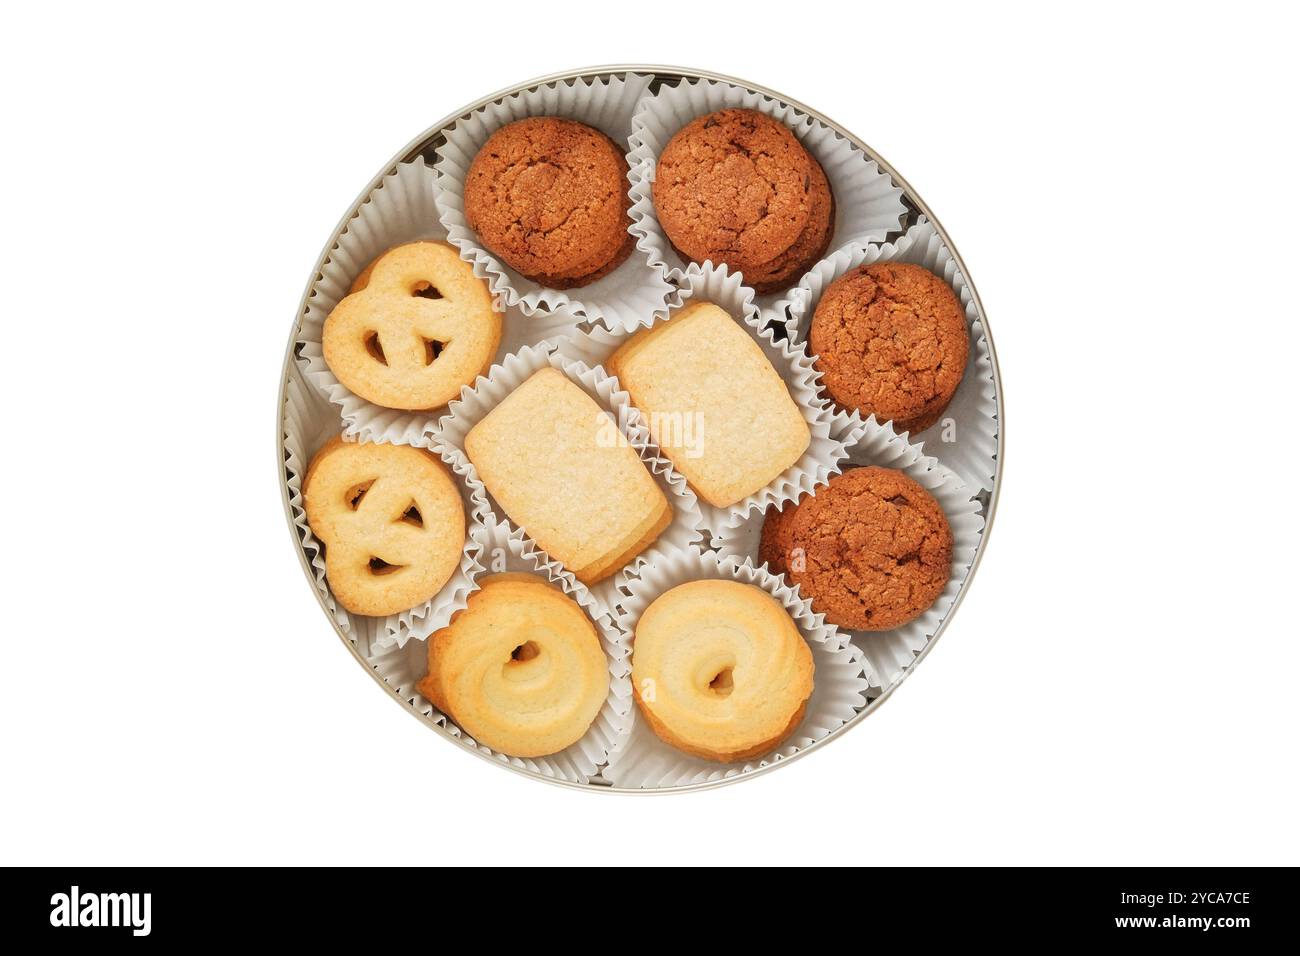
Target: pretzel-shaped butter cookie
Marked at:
391, 520
416, 326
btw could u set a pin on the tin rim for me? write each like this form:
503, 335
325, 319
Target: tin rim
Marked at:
428, 140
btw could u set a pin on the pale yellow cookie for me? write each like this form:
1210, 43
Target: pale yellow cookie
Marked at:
720, 670
558, 466
392, 522
520, 669
713, 402
417, 326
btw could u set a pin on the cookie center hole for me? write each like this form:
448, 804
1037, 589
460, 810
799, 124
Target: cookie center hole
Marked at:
425, 290
525, 652
412, 516
378, 566
721, 683
357, 492
432, 349
899, 500
375, 348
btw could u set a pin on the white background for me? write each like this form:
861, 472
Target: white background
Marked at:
1119, 686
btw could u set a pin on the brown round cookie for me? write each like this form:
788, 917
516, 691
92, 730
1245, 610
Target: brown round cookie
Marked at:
564, 282
548, 196
872, 549
811, 245
733, 186
891, 340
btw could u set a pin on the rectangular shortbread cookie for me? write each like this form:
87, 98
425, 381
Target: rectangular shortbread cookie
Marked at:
557, 465
700, 376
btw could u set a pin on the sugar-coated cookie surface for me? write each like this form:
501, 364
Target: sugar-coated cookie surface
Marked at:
872, 549
713, 402
416, 327
556, 463
391, 520
891, 341
549, 197
720, 670
520, 669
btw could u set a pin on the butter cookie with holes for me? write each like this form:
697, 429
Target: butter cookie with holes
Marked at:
416, 326
720, 670
520, 669
391, 520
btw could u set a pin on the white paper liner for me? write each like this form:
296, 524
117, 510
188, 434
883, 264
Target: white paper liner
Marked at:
401, 209
892, 652
868, 205
309, 422
403, 667
622, 299
685, 528
842, 679
966, 436
715, 284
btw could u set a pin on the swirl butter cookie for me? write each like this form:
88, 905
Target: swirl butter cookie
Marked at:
520, 669
720, 670
391, 520
548, 196
871, 549
891, 341
416, 327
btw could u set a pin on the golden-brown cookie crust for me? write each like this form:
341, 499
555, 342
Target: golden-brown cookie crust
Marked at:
891, 340
416, 327
720, 670
552, 459
701, 368
392, 522
872, 549
520, 668
548, 196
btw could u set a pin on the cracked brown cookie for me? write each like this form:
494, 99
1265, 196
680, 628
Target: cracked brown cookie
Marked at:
891, 340
789, 266
872, 549
736, 186
548, 196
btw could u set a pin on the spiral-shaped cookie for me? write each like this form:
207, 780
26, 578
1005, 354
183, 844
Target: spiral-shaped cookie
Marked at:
520, 669
720, 670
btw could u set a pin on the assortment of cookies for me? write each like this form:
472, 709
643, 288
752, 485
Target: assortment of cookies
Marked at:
720, 669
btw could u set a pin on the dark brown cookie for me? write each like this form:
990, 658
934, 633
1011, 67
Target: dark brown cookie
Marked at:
789, 266
871, 549
733, 186
548, 196
891, 340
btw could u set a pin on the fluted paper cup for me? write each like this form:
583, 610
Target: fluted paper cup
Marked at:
402, 668
966, 436
686, 526
310, 421
827, 445
892, 652
622, 299
842, 680
868, 205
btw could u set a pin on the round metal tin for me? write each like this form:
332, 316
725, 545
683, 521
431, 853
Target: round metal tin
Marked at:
426, 144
